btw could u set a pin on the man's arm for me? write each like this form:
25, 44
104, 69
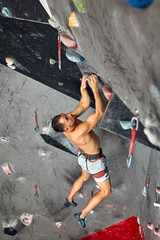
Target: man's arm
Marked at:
93, 119
85, 99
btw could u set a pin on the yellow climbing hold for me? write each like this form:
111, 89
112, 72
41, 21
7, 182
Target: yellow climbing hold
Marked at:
73, 22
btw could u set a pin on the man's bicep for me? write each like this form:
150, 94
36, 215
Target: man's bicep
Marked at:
89, 124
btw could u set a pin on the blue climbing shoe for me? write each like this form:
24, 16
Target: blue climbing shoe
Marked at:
81, 221
68, 204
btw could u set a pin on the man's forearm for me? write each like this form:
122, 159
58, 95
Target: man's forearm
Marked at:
99, 105
85, 99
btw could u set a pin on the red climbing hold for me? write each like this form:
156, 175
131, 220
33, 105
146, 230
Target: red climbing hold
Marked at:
68, 40
107, 91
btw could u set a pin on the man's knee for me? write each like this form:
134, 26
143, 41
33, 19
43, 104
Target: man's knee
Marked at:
107, 192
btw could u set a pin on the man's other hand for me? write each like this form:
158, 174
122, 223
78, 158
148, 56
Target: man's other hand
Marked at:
93, 81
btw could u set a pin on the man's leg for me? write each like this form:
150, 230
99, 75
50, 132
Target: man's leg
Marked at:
105, 191
78, 184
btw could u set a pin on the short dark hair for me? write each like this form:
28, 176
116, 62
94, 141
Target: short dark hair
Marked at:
56, 125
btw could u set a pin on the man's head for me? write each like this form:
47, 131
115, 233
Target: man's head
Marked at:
63, 122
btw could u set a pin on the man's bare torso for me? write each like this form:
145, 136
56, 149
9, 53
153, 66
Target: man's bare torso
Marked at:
89, 143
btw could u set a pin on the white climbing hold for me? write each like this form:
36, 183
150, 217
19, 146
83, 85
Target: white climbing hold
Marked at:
157, 203
52, 61
59, 224
54, 22
5, 139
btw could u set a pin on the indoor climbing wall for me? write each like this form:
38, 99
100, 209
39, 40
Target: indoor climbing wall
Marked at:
54, 42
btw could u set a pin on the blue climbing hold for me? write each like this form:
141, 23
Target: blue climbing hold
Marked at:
139, 3
125, 124
6, 12
74, 56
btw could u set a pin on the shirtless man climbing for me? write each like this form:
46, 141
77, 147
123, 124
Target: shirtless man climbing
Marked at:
90, 156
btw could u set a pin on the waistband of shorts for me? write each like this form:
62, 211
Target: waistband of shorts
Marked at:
92, 156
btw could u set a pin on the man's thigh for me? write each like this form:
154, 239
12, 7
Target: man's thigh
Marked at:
85, 174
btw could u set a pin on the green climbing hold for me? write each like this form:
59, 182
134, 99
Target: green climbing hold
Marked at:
80, 5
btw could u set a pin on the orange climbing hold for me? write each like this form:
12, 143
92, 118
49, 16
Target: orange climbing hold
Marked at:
73, 22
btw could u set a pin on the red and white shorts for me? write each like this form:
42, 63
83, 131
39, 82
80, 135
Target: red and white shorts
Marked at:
94, 165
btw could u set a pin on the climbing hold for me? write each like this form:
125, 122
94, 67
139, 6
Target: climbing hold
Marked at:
10, 63
157, 231
92, 212
43, 153
5, 139
52, 61
7, 169
139, 3
150, 226
60, 84
6, 12
73, 22
81, 195
26, 219
80, 5
21, 179
125, 124
68, 40
54, 22
157, 203
12, 226
59, 224
158, 190
110, 206
107, 91
74, 56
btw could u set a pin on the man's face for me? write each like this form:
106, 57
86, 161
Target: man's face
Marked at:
67, 119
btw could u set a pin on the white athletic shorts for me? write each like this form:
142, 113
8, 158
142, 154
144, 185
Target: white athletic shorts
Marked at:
94, 165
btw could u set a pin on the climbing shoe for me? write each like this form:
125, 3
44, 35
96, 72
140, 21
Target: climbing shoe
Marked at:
68, 204
81, 221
